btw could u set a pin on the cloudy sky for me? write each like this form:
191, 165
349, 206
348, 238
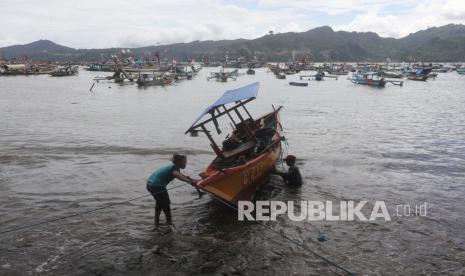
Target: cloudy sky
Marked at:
118, 23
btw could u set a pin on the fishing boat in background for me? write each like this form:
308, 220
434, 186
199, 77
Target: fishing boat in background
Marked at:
420, 74
119, 76
280, 75
293, 83
62, 71
247, 155
417, 78
25, 69
390, 74
250, 71
183, 73
13, 69
461, 71
338, 70
223, 76
155, 79
368, 78
102, 67
320, 75
290, 71
196, 67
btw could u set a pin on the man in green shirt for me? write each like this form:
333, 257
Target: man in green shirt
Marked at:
158, 180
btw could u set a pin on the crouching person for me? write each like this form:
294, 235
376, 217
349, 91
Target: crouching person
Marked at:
292, 177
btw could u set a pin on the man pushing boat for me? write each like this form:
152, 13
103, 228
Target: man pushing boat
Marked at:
292, 177
158, 180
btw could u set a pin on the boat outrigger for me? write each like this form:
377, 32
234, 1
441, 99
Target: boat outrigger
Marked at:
248, 154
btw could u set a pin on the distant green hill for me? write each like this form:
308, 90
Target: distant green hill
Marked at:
446, 43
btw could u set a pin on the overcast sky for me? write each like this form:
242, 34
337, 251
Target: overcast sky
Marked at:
118, 23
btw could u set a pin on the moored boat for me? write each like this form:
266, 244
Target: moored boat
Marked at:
25, 69
293, 83
281, 76
369, 78
223, 76
148, 80
390, 74
338, 72
247, 155
320, 75
64, 71
417, 78
420, 74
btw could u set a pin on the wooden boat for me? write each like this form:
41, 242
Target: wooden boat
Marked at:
183, 72
281, 76
64, 71
420, 74
223, 76
291, 71
250, 71
147, 80
417, 78
338, 72
390, 74
320, 75
196, 67
298, 83
25, 69
368, 78
248, 154
103, 67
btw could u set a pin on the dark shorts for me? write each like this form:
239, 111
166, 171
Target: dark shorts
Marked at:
160, 195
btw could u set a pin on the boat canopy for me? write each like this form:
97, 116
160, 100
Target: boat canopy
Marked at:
423, 71
246, 93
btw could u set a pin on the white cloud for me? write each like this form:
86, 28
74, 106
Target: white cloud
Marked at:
121, 23
89, 23
9, 41
423, 16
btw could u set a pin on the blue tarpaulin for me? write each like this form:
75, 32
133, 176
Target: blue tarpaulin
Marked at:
423, 71
232, 96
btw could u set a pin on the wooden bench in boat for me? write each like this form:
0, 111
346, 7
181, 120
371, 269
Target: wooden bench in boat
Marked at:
240, 149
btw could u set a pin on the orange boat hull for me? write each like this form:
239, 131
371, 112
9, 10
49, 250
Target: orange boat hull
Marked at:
241, 182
